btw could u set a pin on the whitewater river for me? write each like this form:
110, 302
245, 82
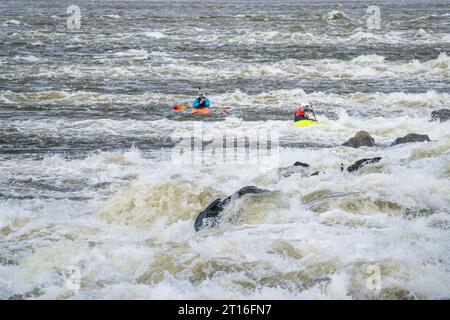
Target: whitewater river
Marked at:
92, 204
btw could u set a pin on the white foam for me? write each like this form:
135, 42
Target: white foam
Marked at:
12, 22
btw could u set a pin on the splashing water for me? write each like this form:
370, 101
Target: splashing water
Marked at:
91, 205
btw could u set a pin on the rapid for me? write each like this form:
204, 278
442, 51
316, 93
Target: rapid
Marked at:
89, 189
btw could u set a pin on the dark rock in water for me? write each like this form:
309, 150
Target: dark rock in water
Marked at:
298, 167
211, 215
304, 144
441, 115
362, 138
412, 137
360, 163
301, 164
243, 191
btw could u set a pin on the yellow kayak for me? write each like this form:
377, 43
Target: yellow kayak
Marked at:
306, 122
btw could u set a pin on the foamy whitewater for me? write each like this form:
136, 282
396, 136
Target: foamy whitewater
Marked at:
93, 207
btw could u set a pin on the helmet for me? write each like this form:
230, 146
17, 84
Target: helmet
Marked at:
305, 103
306, 106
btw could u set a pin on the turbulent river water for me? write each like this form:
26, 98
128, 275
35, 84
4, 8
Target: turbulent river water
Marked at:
93, 206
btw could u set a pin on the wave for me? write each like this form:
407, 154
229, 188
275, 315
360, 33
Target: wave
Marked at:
335, 15
142, 204
279, 99
431, 17
163, 67
294, 35
12, 22
314, 241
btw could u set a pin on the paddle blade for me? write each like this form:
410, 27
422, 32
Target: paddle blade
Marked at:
179, 108
225, 110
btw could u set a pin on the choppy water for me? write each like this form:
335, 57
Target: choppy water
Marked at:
87, 182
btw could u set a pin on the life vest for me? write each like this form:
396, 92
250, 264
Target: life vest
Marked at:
205, 104
299, 112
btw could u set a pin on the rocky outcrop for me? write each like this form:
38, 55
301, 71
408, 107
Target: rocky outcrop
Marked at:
440, 115
412, 137
212, 214
360, 163
361, 139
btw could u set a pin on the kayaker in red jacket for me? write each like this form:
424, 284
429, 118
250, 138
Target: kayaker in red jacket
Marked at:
300, 112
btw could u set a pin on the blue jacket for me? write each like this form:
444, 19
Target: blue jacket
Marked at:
197, 104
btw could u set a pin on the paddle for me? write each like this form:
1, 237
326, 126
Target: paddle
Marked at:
179, 108
314, 114
312, 110
225, 110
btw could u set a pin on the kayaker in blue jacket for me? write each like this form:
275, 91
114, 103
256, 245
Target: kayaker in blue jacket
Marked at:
201, 102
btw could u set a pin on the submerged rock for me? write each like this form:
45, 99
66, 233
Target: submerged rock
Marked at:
360, 163
301, 167
211, 215
301, 164
334, 15
420, 34
412, 137
361, 138
441, 115
298, 167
